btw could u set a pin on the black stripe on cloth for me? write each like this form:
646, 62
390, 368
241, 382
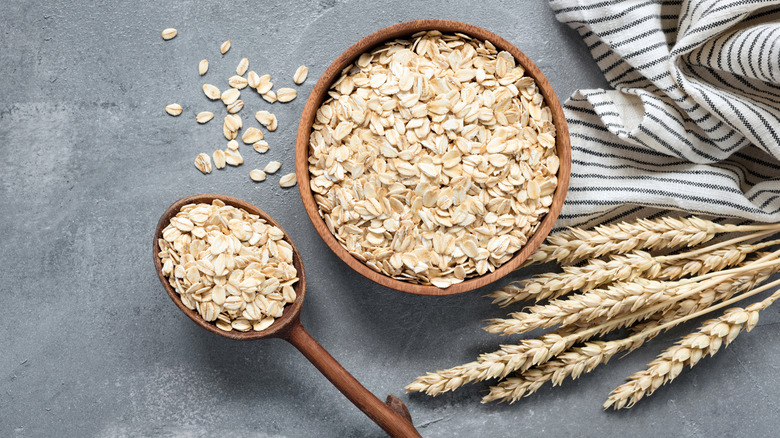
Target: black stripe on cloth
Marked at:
769, 111
623, 147
739, 115
759, 192
768, 75
753, 159
684, 182
636, 37
673, 195
600, 202
655, 78
630, 25
666, 145
639, 68
645, 50
587, 7
747, 84
724, 166
714, 108
715, 24
745, 36
763, 14
757, 32
605, 128
694, 133
589, 111
711, 142
769, 201
622, 13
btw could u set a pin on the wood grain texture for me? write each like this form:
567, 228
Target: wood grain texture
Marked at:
319, 94
392, 418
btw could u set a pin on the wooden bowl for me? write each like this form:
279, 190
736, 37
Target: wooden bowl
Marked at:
320, 93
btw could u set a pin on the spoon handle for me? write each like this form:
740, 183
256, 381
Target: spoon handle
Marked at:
389, 420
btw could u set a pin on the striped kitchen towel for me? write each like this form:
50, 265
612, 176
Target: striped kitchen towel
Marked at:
693, 123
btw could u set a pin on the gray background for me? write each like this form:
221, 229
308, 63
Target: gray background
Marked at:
91, 346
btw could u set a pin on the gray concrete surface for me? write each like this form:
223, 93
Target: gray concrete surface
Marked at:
91, 346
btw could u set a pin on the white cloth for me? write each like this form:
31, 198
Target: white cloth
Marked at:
694, 121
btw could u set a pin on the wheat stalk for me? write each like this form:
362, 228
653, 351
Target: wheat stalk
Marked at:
627, 267
578, 360
615, 300
575, 244
689, 350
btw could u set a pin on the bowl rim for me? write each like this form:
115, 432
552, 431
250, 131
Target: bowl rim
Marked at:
319, 94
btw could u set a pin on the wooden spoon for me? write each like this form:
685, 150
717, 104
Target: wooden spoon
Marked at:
393, 416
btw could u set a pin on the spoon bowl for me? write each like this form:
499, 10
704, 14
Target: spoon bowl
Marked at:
392, 416
292, 312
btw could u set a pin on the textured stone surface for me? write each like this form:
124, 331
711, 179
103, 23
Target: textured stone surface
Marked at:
91, 346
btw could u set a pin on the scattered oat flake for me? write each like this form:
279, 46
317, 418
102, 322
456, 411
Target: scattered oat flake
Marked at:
233, 123
173, 109
232, 145
272, 167
169, 33
253, 80
224, 47
235, 106
242, 67
269, 97
286, 94
230, 95
233, 158
238, 82
219, 159
261, 147
267, 119
257, 175
204, 116
252, 135
211, 91
264, 84
203, 66
288, 180
203, 163
300, 74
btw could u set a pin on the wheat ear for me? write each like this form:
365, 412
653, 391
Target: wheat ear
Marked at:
689, 350
576, 244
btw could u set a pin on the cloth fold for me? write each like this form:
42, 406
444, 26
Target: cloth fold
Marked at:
694, 121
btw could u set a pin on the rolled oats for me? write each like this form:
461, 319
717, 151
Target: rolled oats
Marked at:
434, 158
231, 267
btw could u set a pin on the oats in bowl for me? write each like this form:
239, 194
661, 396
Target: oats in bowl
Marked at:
433, 159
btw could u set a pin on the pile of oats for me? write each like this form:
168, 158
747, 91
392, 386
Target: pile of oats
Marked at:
434, 158
230, 266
